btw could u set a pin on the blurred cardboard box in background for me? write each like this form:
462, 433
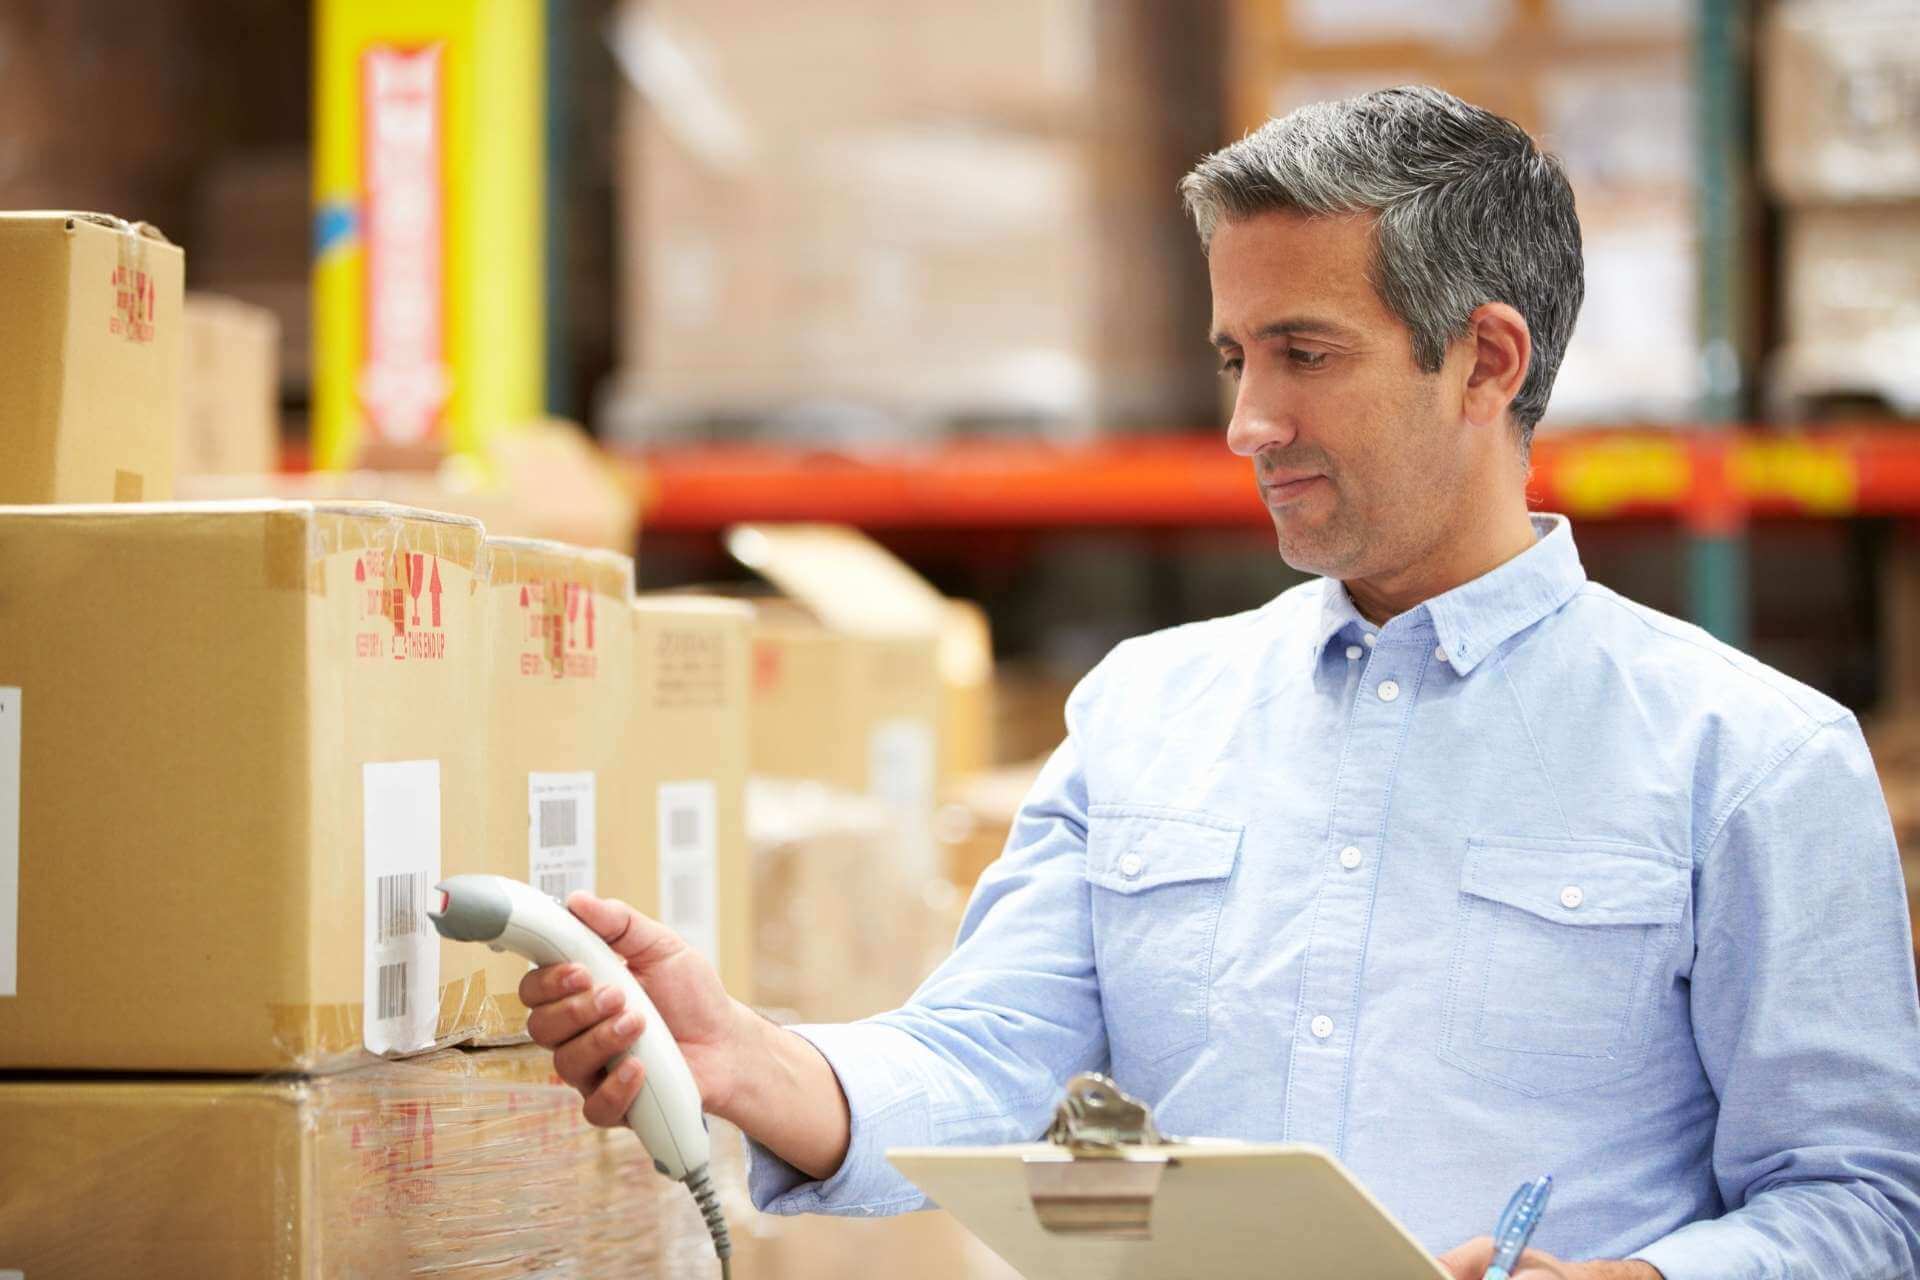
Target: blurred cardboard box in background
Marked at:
90, 338
1840, 101
878, 220
230, 420
684, 760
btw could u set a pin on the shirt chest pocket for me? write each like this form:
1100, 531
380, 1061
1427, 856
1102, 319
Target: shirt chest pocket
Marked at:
1558, 955
1158, 880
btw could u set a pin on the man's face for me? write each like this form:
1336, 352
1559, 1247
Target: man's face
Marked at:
1356, 451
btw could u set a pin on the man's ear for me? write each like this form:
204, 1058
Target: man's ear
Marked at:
1502, 352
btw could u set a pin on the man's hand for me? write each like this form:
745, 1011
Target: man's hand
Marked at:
585, 1028
1469, 1262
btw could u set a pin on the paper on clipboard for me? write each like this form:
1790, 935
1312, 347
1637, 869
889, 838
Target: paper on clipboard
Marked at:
1209, 1211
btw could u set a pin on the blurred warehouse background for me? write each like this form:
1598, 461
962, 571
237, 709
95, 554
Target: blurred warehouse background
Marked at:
672, 276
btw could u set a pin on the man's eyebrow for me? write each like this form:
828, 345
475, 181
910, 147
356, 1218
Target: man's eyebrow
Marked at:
1304, 326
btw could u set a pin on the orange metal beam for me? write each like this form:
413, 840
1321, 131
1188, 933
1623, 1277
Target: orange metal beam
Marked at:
1709, 480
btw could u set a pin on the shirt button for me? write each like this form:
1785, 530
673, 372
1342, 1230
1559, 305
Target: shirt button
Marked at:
1321, 1026
1571, 897
1389, 691
1130, 865
1440, 654
1350, 857
1353, 652
1367, 638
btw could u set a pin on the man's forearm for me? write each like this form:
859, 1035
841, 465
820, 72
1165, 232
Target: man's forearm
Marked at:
788, 1099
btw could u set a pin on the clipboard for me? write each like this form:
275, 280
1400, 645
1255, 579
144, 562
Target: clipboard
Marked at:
1106, 1197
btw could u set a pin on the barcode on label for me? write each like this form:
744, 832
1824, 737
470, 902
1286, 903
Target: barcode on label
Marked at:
559, 823
393, 992
400, 902
558, 884
683, 829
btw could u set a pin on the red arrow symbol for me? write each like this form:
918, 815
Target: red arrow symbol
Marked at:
433, 589
359, 568
589, 622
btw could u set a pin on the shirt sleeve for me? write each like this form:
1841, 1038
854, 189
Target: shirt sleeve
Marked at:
982, 1051
1806, 1020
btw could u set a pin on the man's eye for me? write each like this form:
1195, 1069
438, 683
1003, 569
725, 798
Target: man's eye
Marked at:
1306, 359
1230, 368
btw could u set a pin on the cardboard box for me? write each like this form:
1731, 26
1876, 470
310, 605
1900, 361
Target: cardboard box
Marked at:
230, 422
882, 217
547, 480
90, 338
465, 1164
685, 757
1840, 101
560, 688
844, 928
247, 742
1852, 322
846, 672
977, 818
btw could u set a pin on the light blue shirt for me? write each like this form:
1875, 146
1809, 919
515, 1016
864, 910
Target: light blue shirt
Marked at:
1532, 879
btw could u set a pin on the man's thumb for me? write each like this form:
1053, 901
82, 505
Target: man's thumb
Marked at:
1469, 1261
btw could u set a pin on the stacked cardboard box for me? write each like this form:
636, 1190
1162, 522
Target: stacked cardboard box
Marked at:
1840, 123
230, 421
865, 677
246, 740
882, 217
90, 339
687, 749
559, 694
460, 1164
1607, 88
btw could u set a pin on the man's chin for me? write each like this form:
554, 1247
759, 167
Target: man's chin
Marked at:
1307, 554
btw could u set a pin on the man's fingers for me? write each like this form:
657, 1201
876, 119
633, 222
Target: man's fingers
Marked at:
632, 936
552, 982
607, 1106
1469, 1261
579, 1059
552, 1025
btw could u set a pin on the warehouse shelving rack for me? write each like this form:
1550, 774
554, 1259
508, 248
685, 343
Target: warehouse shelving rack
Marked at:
1711, 481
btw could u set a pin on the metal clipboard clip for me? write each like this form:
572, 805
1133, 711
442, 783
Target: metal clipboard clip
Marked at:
1115, 1157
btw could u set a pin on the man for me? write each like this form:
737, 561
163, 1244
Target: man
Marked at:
1451, 861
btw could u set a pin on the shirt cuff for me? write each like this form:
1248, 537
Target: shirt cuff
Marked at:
888, 1105
1717, 1249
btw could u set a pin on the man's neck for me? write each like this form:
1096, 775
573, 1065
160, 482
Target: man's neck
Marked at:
1478, 547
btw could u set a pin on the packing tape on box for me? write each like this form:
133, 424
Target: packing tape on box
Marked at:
326, 1038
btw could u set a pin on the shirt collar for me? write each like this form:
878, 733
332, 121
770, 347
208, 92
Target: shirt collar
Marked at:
1477, 617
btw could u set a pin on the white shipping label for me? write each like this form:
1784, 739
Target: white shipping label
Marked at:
560, 839
900, 775
689, 858
9, 847
401, 987
13, 1275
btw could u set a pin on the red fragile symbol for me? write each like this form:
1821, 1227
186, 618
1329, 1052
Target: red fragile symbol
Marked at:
573, 612
433, 589
416, 580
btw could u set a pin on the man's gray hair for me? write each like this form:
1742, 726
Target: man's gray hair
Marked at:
1468, 210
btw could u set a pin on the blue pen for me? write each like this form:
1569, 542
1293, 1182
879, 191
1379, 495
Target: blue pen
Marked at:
1516, 1226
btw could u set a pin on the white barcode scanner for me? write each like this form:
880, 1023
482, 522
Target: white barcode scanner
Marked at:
510, 916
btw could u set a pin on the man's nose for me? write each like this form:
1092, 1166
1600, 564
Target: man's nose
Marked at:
1261, 417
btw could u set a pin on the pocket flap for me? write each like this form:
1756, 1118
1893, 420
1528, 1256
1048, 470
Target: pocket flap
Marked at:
1131, 848
1577, 882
